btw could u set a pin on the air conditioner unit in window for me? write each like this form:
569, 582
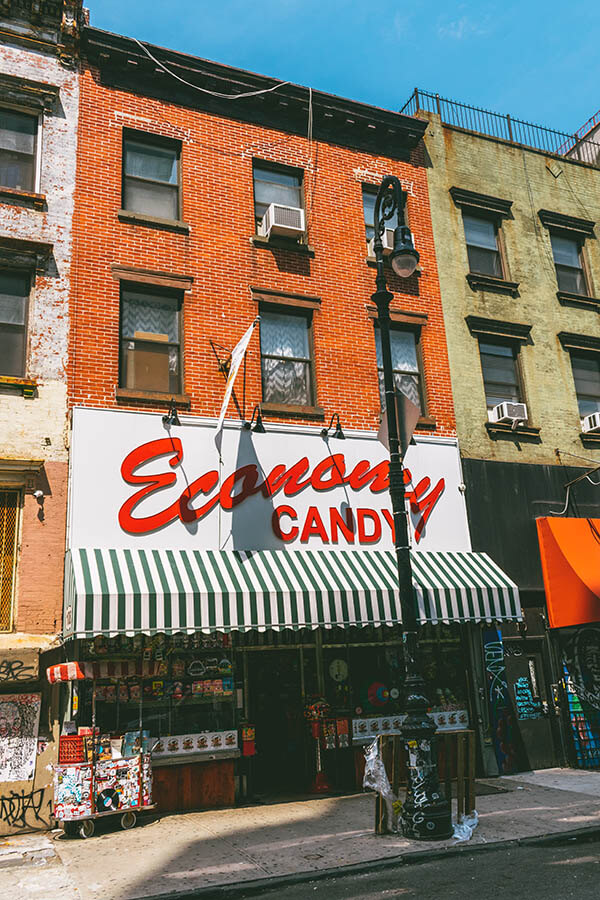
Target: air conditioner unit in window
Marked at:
591, 423
509, 413
387, 239
283, 221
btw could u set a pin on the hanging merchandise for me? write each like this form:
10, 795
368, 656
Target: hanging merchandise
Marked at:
315, 712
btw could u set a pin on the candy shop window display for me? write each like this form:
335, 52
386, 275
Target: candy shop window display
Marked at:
444, 662
188, 701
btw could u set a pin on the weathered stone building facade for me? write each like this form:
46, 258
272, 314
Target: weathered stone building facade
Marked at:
514, 211
39, 109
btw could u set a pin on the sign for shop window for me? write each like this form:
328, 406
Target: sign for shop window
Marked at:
136, 484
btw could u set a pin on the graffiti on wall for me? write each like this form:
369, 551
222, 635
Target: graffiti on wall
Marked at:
501, 715
19, 724
16, 670
582, 659
21, 809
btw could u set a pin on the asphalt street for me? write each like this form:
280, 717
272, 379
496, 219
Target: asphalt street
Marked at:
526, 873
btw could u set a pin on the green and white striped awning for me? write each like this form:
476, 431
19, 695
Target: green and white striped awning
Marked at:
129, 591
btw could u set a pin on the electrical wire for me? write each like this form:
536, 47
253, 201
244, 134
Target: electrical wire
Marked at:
555, 512
205, 90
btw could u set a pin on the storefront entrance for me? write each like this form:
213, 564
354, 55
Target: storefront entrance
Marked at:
276, 708
533, 707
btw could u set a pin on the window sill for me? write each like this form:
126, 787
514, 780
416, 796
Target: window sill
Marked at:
284, 409
281, 243
490, 283
590, 438
136, 218
427, 422
22, 198
158, 397
566, 298
496, 429
27, 386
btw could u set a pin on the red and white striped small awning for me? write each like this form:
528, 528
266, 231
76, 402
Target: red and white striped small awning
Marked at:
121, 668
70, 671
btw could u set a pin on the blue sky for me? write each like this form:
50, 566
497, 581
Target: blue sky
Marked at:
537, 60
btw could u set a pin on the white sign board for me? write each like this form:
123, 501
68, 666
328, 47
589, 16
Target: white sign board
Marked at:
135, 484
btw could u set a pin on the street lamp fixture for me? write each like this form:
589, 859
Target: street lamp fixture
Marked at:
425, 814
171, 418
257, 421
338, 434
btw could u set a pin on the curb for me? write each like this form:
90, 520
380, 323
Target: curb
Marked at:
241, 889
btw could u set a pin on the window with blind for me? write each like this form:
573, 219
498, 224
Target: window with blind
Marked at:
586, 374
570, 274
500, 372
286, 358
9, 505
151, 176
18, 142
483, 249
150, 341
405, 365
14, 296
276, 185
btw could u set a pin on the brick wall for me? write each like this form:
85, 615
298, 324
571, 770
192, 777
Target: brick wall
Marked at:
36, 428
218, 206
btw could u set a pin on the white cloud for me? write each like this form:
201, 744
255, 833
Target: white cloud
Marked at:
462, 28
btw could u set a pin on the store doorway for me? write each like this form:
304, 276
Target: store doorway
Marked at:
276, 706
532, 702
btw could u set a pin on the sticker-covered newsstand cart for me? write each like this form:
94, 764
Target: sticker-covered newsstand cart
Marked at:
99, 774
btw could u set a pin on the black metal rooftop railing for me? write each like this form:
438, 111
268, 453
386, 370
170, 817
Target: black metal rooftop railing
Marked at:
504, 127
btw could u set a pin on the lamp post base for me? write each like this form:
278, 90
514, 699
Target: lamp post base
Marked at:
426, 814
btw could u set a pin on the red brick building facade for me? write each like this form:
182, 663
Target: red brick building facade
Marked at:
210, 251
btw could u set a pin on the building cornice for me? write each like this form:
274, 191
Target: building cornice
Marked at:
123, 64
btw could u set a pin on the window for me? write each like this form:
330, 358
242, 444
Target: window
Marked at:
500, 372
286, 359
482, 246
274, 185
14, 293
369, 198
18, 139
567, 260
9, 504
405, 365
150, 342
151, 177
586, 373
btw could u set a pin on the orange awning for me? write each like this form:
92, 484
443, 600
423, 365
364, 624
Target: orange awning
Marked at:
570, 552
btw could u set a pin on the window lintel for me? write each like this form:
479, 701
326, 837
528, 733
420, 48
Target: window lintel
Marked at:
34, 96
573, 225
16, 253
513, 331
482, 204
571, 341
277, 298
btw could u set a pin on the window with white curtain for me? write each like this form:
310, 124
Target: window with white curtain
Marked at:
150, 340
151, 176
18, 143
405, 365
285, 348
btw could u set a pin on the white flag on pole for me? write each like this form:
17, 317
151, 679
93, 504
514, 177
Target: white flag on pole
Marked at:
237, 355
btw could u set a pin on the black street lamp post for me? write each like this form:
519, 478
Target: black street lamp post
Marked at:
425, 813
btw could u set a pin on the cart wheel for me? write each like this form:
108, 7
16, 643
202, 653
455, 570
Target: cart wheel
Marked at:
128, 820
86, 829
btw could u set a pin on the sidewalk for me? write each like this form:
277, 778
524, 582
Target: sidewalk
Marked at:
188, 852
